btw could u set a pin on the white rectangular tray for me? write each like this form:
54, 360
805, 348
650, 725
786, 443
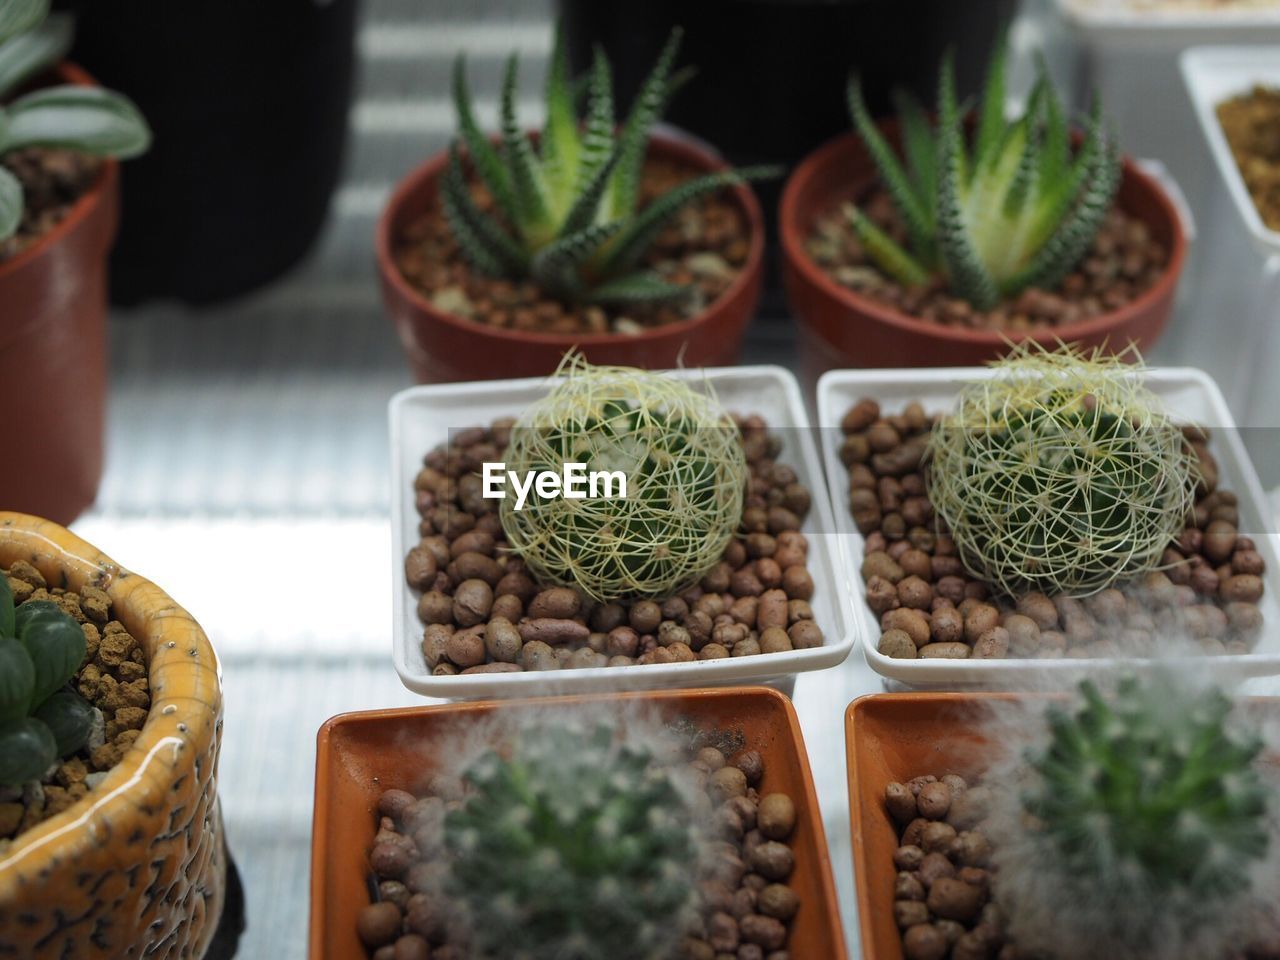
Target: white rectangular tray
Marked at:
1215, 74
421, 418
1191, 395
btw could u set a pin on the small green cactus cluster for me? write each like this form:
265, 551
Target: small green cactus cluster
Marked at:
1014, 210
685, 473
84, 119
574, 843
566, 211
41, 718
1148, 808
1062, 473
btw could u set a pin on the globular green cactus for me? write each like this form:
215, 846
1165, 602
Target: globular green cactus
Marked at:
41, 718
575, 843
1149, 812
685, 472
565, 212
1062, 473
1012, 210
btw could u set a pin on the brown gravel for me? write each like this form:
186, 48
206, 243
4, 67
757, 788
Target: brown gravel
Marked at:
930, 606
746, 902
483, 613
1251, 124
944, 878
113, 679
1124, 262
704, 245
52, 181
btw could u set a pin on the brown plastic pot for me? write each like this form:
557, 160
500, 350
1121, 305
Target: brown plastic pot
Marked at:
842, 328
53, 353
444, 347
894, 737
359, 755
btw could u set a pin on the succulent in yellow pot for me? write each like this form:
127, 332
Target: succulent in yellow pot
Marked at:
111, 840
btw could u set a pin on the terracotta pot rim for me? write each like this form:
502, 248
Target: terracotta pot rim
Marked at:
184, 678
792, 235
662, 145
85, 204
792, 733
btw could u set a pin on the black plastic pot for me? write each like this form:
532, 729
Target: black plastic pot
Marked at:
772, 73
249, 102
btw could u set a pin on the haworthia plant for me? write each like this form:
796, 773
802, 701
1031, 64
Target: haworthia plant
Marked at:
84, 119
1008, 209
566, 211
41, 718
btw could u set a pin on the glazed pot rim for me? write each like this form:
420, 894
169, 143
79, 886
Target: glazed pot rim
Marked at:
672, 146
84, 205
814, 169
184, 678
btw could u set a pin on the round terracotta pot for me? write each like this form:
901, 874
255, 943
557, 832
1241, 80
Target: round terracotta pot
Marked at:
138, 867
53, 354
444, 347
841, 328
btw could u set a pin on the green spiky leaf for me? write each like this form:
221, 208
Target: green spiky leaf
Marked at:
560, 143
991, 120
910, 206
488, 164
885, 252
634, 138
921, 150
969, 276
597, 138
556, 266
1071, 242
483, 242
522, 164
640, 231
641, 287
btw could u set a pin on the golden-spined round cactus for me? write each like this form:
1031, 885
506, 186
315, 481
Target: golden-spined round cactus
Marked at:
685, 473
1062, 473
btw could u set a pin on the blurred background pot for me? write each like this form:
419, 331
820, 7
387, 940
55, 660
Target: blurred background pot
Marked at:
84, 883
53, 353
249, 103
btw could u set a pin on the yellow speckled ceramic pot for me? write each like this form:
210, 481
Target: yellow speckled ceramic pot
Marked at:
137, 868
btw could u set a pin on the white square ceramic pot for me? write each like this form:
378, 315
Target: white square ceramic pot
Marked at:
421, 418
1190, 395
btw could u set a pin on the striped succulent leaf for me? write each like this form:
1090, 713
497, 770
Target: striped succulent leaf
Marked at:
566, 213
1008, 208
